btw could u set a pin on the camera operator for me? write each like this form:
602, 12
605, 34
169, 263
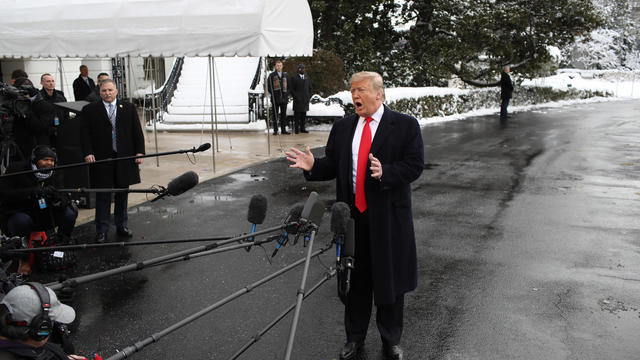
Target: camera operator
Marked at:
31, 201
35, 128
57, 116
29, 317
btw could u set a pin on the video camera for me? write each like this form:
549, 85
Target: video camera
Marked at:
14, 102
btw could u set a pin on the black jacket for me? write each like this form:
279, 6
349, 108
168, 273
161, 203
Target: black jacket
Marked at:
506, 86
399, 147
50, 112
81, 89
21, 193
300, 90
11, 350
96, 140
278, 87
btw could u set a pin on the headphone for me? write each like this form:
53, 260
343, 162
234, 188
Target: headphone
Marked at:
35, 149
41, 325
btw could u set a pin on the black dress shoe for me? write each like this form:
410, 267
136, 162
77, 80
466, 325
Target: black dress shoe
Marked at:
285, 132
392, 352
101, 237
304, 131
124, 232
351, 350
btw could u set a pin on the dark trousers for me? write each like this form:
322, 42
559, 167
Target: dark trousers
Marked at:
503, 108
389, 317
21, 224
103, 211
279, 111
299, 118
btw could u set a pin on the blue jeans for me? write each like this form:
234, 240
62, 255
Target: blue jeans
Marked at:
103, 211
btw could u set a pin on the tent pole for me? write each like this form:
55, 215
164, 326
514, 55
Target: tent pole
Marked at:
129, 91
213, 151
153, 104
61, 75
264, 93
215, 105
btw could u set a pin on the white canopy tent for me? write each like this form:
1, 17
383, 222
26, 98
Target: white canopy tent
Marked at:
119, 28
102, 28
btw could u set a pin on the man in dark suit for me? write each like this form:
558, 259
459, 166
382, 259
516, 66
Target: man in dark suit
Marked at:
301, 92
374, 155
277, 85
111, 129
83, 85
95, 94
506, 89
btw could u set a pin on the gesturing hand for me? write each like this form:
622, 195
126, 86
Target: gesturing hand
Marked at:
376, 167
301, 160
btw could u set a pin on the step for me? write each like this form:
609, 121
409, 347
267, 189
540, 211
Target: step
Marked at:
206, 118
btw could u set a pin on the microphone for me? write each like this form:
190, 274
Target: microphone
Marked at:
293, 216
313, 216
340, 214
179, 185
257, 213
203, 147
347, 262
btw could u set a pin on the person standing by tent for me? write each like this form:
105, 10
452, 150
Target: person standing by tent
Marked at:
83, 85
506, 89
277, 84
58, 116
301, 94
111, 129
374, 156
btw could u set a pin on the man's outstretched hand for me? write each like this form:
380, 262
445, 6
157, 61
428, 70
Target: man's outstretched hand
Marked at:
299, 159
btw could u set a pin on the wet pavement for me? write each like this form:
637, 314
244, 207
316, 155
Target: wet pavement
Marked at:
527, 240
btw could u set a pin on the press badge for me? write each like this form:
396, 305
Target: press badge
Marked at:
42, 203
56, 121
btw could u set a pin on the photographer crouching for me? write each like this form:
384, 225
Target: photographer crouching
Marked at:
31, 202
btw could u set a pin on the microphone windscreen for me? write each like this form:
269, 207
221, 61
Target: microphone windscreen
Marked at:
317, 211
257, 209
340, 213
349, 248
293, 216
182, 183
308, 205
203, 147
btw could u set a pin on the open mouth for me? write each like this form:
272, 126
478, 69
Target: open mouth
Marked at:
358, 104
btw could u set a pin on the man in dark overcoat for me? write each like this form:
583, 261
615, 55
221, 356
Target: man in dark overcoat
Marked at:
300, 90
111, 129
83, 85
506, 90
278, 88
374, 155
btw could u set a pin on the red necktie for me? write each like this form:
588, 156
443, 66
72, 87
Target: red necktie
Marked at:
361, 171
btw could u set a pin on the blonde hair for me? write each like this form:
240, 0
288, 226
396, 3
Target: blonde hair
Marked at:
374, 79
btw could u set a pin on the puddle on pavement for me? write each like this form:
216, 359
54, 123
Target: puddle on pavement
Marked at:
211, 196
247, 177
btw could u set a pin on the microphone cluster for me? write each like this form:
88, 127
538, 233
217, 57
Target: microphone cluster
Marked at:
343, 227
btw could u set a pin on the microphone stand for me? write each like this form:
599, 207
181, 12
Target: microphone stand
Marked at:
73, 282
273, 323
88, 190
202, 147
296, 314
155, 337
110, 244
